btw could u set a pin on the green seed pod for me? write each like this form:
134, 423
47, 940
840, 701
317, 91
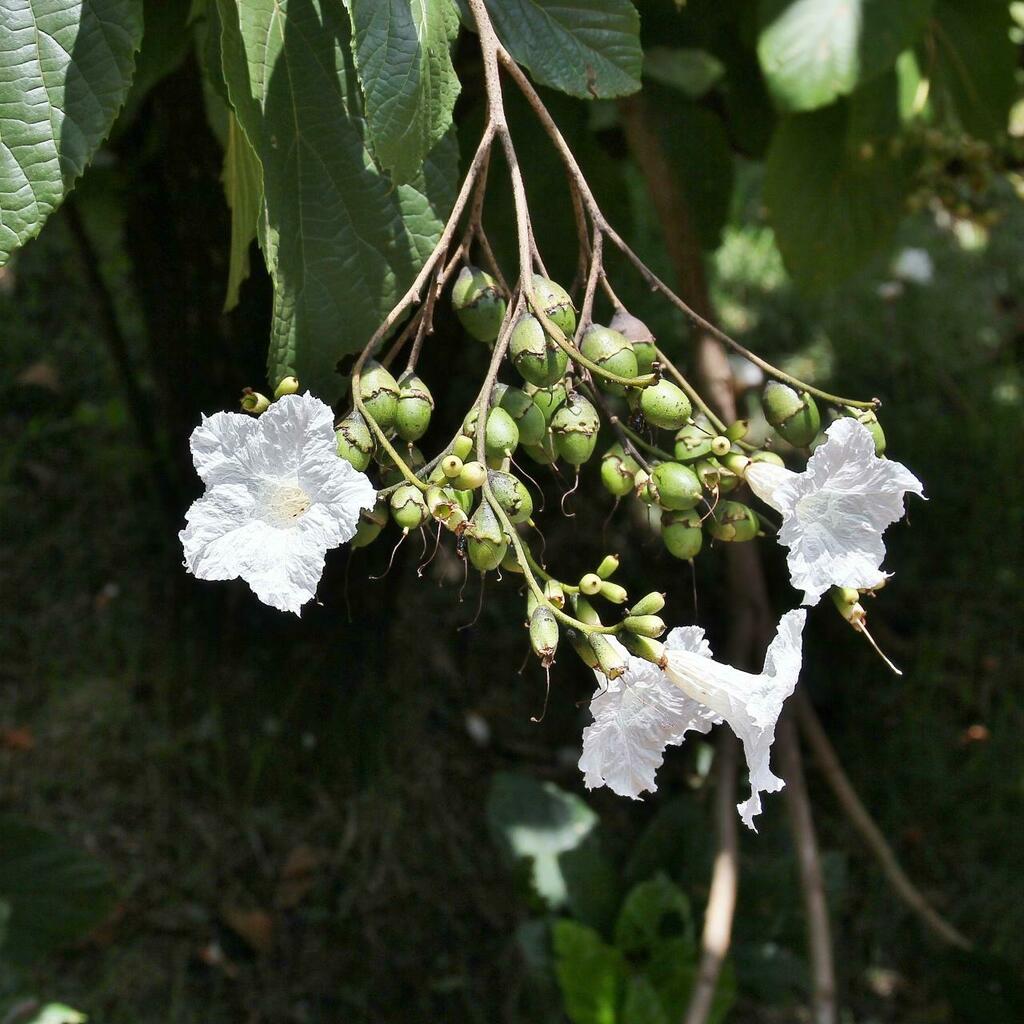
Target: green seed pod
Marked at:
511, 494
545, 453
675, 487
502, 435
649, 604
555, 302
716, 477
379, 393
618, 470
681, 534
612, 352
472, 476
497, 462
408, 507
537, 358
487, 544
610, 662
733, 521
772, 458
644, 647
644, 625
613, 592
870, 420
590, 584
608, 567
371, 522
510, 563
287, 386
527, 415
478, 303
554, 593
544, 634
390, 473
575, 428
794, 416
253, 402
354, 440
415, 405
582, 647
549, 400
664, 405
641, 486
452, 466
463, 446
585, 611
693, 442
633, 328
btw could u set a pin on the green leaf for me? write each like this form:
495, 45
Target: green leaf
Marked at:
970, 61
243, 189
653, 911
832, 204
341, 242
55, 892
591, 974
814, 51
401, 50
65, 70
690, 71
539, 822
587, 48
642, 1005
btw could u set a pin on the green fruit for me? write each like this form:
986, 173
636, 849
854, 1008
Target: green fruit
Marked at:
644, 625
478, 303
644, 347
549, 400
415, 405
537, 358
354, 440
794, 416
575, 427
486, 545
681, 534
511, 494
544, 634
408, 507
472, 476
612, 352
462, 446
526, 413
675, 487
371, 522
502, 435
716, 477
390, 473
618, 470
649, 604
545, 453
555, 302
379, 393
733, 521
664, 405
868, 418
693, 442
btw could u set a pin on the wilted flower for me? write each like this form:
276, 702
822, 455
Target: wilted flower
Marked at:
638, 715
835, 511
277, 497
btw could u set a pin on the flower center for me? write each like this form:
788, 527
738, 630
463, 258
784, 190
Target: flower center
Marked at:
285, 505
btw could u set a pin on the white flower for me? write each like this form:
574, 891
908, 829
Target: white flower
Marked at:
648, 709
277, 497
834, 513
750, 704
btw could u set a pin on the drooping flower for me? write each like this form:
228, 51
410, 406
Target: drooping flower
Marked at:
835, 511
277, 498
649, 708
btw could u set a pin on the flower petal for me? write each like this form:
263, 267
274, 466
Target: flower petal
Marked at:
768, 482
293, 430
336, 487
219, 447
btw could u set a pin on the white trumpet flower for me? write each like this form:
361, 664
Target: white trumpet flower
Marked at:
835, 512
649, 708
277, 498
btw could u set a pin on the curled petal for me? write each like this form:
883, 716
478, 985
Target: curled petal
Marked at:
293, 430
218, 445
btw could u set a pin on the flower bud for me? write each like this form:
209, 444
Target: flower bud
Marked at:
773, 458
462, 446
613, 592
675, 487
736, 463
253, 402
618, 470
555, 302
527, 415
665, 405
794, 416
287, 386
472, 476
644, 647
502, 435
585, 611
644, 625
511, 494
693, 442
612, 352
581, 645
733, 521
738, 430
609, 661
869, 419
537, 358
478, 303
355, 443
590, 584
681, 534
544, 634
487, 544
554, 593
640, 335
609, 565
847, 601
549, 400
720, 445
379, 393
452, 466
649, 604
415, 405
575, 428
371, 522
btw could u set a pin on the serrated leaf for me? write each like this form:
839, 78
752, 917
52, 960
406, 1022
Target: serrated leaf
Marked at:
814, 51
401, 50
587, 48
65, 70
832, 204
591, 974
243, 190
55, 892
341, 242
